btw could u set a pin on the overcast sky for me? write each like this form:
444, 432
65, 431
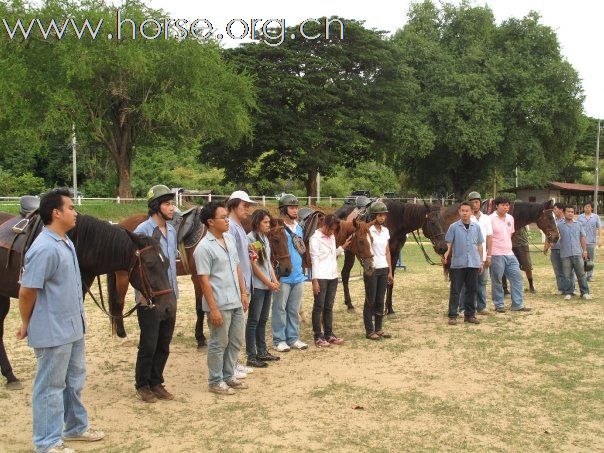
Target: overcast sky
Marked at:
578, 23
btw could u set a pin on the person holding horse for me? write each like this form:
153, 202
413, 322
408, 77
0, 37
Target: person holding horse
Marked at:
502, 259
376, 284
591, 226
520, 247
264, 283
555, 259
464, 244
573, 252
324, 258
52, 318
224, 298
238, 205
285, 322
156, 334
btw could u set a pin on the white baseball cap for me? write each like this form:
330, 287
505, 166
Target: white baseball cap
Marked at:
243, 196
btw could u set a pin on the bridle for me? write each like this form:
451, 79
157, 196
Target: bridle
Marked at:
275, 259
430, 235
147, 291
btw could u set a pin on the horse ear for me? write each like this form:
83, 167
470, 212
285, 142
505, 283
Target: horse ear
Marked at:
135, 238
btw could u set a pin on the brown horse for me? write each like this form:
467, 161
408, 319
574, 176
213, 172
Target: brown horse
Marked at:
403, 218
117, 284
101, 248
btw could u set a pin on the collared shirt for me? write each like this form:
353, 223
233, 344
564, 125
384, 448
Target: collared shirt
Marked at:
590, 226
324, 255
570, 239
297, 275
241, 239
169, 247
559, 221
221, 265
464, 244
51, 267
520, 238
486, 228
265, 267
379, 244
501, 242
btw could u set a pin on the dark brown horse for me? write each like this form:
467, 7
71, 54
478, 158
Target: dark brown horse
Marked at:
117, 284
101, 249
403, 218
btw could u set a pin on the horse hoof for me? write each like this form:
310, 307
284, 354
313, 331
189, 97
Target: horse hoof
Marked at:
201, 344
350, 309
14, 385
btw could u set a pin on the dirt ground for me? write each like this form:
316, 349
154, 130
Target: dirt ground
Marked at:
517, 382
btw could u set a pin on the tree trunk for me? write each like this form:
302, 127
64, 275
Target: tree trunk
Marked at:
124, 188
311, 183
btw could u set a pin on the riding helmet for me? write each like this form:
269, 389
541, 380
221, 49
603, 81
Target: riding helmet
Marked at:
378, 207
288, 200
588, 265
158, 191
474, 196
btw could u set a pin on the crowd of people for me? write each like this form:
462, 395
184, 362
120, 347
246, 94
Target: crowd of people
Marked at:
236, 277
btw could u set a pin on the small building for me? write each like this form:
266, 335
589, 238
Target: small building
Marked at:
565, 192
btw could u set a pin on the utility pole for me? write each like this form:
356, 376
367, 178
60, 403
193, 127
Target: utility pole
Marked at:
318, 186
516, 177
597, 170
74, 162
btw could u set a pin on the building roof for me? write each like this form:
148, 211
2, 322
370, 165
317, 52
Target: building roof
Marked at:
567, 187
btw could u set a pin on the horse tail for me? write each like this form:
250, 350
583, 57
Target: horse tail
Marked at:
115, 307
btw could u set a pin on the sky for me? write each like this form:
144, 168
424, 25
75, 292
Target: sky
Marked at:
578, 24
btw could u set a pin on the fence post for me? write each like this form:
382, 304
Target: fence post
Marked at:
414, 200
118, 199
442, 201
330, 200
209, 198
309, 201
263, 200
430, 200
79, 200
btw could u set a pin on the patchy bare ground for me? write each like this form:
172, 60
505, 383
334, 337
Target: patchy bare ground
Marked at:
516, 382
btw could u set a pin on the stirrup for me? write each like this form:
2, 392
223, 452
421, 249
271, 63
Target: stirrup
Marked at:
18, 228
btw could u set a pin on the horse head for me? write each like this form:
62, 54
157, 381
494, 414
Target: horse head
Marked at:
547, 223
434, 228
280, 257
360, 244
149, 275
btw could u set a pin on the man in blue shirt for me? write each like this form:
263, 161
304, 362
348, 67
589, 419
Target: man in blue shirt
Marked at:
573, 250
464, 244
224, 299
285, 322
156, 335
52, 314
591, 226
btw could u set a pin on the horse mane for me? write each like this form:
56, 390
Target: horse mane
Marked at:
411, 216
527, 212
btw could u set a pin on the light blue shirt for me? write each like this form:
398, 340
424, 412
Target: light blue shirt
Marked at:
237, 231
168, 244
221, 265
297, 274
570, 239
51, 267
590, 226
464, 244
264, 267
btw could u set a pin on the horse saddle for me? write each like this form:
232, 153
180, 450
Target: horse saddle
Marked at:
487, 207
311, 223
18, 233
189, 231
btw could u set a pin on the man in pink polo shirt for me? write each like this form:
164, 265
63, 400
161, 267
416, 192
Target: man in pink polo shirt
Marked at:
502, 260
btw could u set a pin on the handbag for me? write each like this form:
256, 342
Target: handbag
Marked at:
297, 241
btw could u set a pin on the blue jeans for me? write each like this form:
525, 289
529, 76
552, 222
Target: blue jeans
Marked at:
285, 322
224, 344
575, 263
257, 317
481, 291
506, 265
557, 265
56, 398
591, 254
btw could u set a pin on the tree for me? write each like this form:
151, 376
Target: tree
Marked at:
119, 91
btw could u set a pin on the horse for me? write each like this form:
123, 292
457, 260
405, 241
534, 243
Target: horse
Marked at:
403, 218
117, 284
101, 248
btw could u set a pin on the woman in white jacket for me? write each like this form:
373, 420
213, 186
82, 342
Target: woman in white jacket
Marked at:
323, 254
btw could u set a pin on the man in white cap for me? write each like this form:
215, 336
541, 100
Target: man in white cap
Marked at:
238, 206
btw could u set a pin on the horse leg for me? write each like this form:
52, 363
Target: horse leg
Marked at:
117, 287
12, 383
395, 250
349, 259
199, 336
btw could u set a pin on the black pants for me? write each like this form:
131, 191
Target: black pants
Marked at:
375, 293
460, 277
257, 317
323, 307
153, 347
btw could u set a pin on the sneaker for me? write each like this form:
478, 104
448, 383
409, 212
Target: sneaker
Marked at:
452, 321
282, 347
239, 375
244, 369
333, 339
568, 297
60, 449
500, 309
383, 334
253, 361
90, 435
268, 357
471, 320
299, 345
161, 393
222, 389
560, 292
586, 296
235, 383
145, 394
322, 343
373, 336
483, 312
521, 309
